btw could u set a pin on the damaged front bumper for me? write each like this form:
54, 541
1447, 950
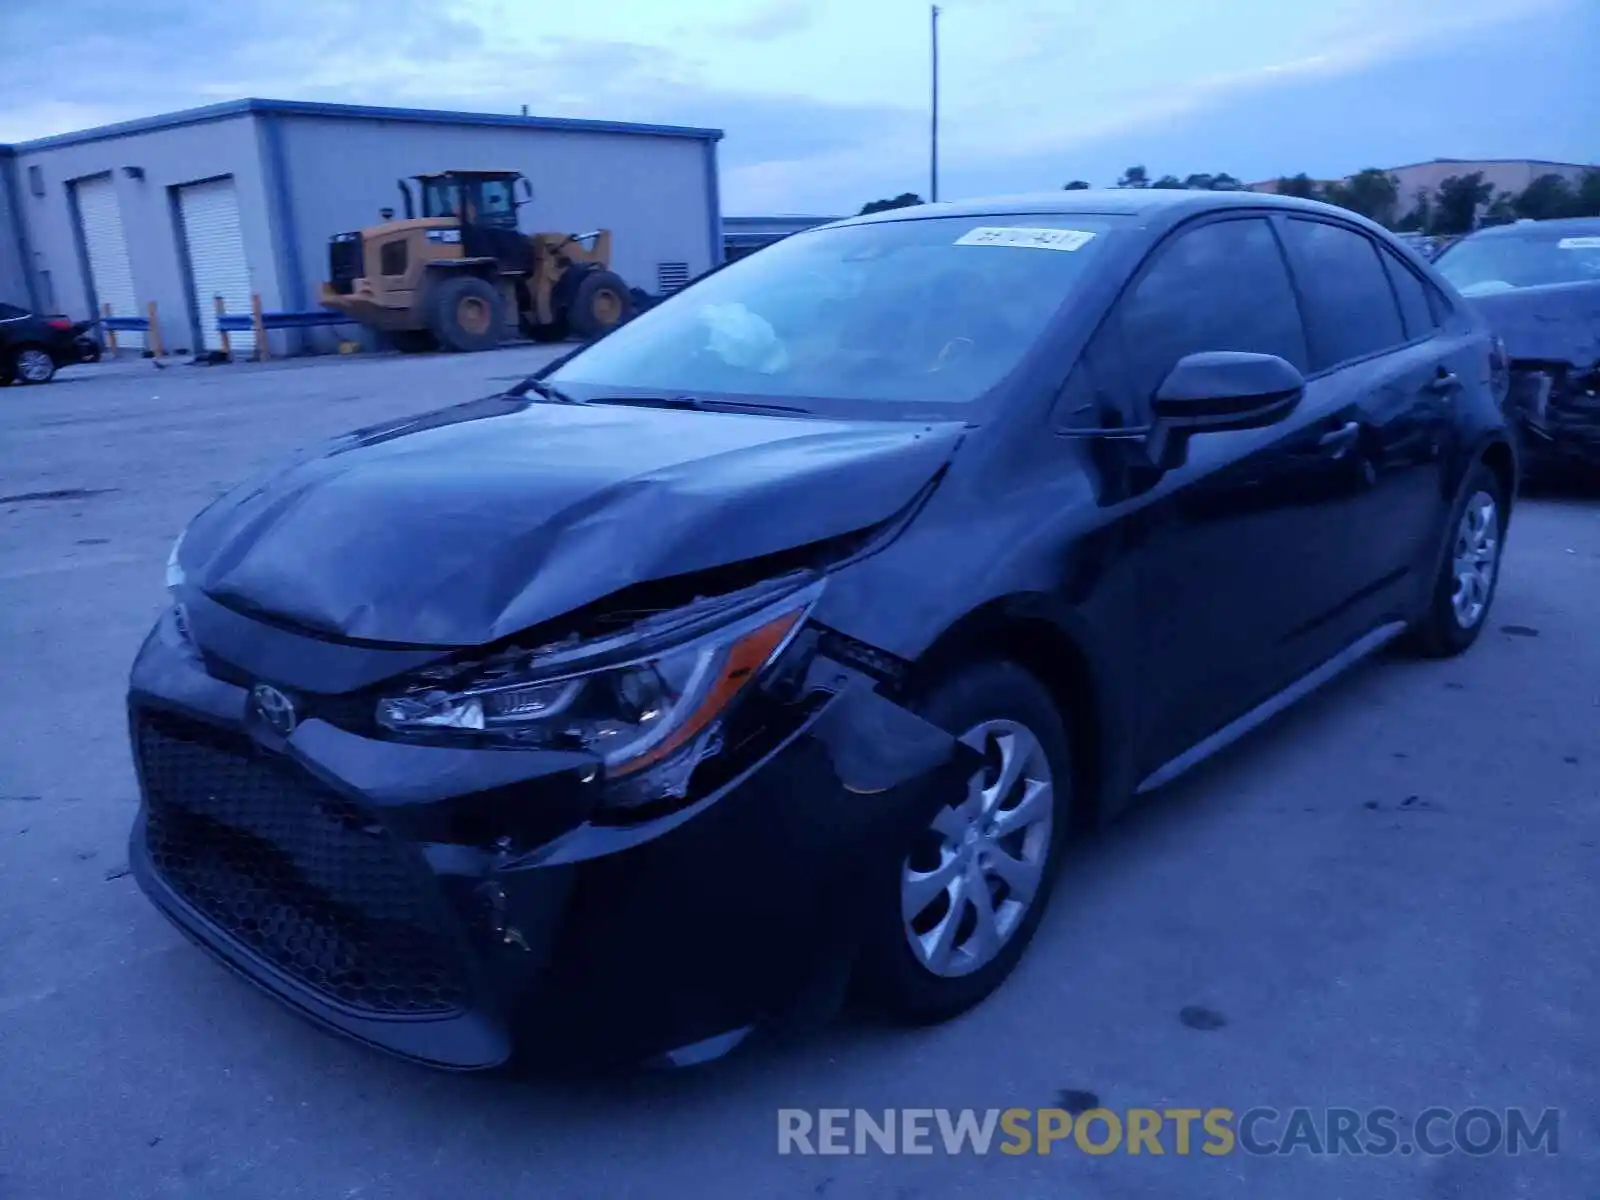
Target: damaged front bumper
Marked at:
1557, 409
456, 906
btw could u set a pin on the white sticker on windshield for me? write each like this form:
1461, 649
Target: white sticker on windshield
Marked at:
1579, 243
1017, 235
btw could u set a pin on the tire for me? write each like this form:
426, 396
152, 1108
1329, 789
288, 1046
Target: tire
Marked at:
32, 364
413, 341
903, 983
466, 313
601, 303
1452, 622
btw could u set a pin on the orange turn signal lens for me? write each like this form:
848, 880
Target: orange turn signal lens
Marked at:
742, 660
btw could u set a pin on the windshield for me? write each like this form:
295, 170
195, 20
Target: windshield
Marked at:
908, 312
1503, 262
441, 198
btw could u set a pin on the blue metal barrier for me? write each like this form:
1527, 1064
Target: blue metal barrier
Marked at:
244, 322
125, 324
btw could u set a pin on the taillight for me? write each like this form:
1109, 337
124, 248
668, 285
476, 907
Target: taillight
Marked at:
59, 323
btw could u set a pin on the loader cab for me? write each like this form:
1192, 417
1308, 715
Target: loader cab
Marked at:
485, 198
486, 204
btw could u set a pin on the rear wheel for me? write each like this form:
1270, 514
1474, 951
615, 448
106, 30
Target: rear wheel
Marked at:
30, 364
601, 303
1464, 588
947, 927
466, 313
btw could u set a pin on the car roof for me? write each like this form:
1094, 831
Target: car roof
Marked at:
1558, 225
1172, 203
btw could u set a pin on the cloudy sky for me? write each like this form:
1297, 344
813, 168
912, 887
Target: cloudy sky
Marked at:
825, 101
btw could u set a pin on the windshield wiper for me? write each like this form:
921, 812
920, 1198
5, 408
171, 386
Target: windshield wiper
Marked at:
699, 404
545, 391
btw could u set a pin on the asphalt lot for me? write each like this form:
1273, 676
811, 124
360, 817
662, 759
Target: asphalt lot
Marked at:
1389, 898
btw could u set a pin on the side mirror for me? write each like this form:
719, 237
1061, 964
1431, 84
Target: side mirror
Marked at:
1226, 389
526, 189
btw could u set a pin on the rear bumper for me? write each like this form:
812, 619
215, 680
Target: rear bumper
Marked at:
562, 939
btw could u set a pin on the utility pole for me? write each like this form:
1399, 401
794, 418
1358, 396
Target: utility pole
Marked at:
933, 131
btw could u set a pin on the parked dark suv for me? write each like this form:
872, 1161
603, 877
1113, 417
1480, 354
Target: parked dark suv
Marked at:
781, 638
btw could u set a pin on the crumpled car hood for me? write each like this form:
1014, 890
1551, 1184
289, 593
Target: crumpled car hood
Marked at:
474, 523
1558, 323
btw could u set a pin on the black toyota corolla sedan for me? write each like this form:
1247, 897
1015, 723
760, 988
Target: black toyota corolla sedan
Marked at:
776, 643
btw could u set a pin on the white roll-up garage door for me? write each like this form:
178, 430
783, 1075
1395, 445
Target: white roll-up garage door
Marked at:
217, 264
100, 220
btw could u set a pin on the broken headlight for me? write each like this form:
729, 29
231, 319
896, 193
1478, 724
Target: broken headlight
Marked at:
653, 694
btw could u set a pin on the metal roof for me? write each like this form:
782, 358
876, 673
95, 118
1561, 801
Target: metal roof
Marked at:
355, 112
1490, 162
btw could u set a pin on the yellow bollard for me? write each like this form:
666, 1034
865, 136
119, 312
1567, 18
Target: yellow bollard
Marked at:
263, 351
227, 345
153, 343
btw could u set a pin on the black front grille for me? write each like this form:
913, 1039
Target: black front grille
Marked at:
344, 262
297, 874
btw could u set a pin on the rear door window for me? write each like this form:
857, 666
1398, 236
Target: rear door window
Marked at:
1350, 307
1221, 286
1412, 294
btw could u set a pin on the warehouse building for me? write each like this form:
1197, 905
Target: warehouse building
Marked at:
746, 235
238, 200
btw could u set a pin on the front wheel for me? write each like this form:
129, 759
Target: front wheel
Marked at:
1464, 588
947, 927
466, 313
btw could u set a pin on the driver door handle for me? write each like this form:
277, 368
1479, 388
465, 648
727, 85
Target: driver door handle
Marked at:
1342, 438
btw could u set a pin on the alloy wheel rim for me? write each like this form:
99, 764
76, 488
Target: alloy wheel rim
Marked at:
33, 365
1476, 559
978, 867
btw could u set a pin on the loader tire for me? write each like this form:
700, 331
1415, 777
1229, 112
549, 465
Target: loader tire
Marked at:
601, 303
466, 313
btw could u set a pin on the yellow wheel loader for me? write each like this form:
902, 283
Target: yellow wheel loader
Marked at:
455, 272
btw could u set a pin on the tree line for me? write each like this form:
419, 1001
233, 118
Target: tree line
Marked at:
1459, 204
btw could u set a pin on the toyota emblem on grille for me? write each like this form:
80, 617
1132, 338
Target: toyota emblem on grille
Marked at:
274, 708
